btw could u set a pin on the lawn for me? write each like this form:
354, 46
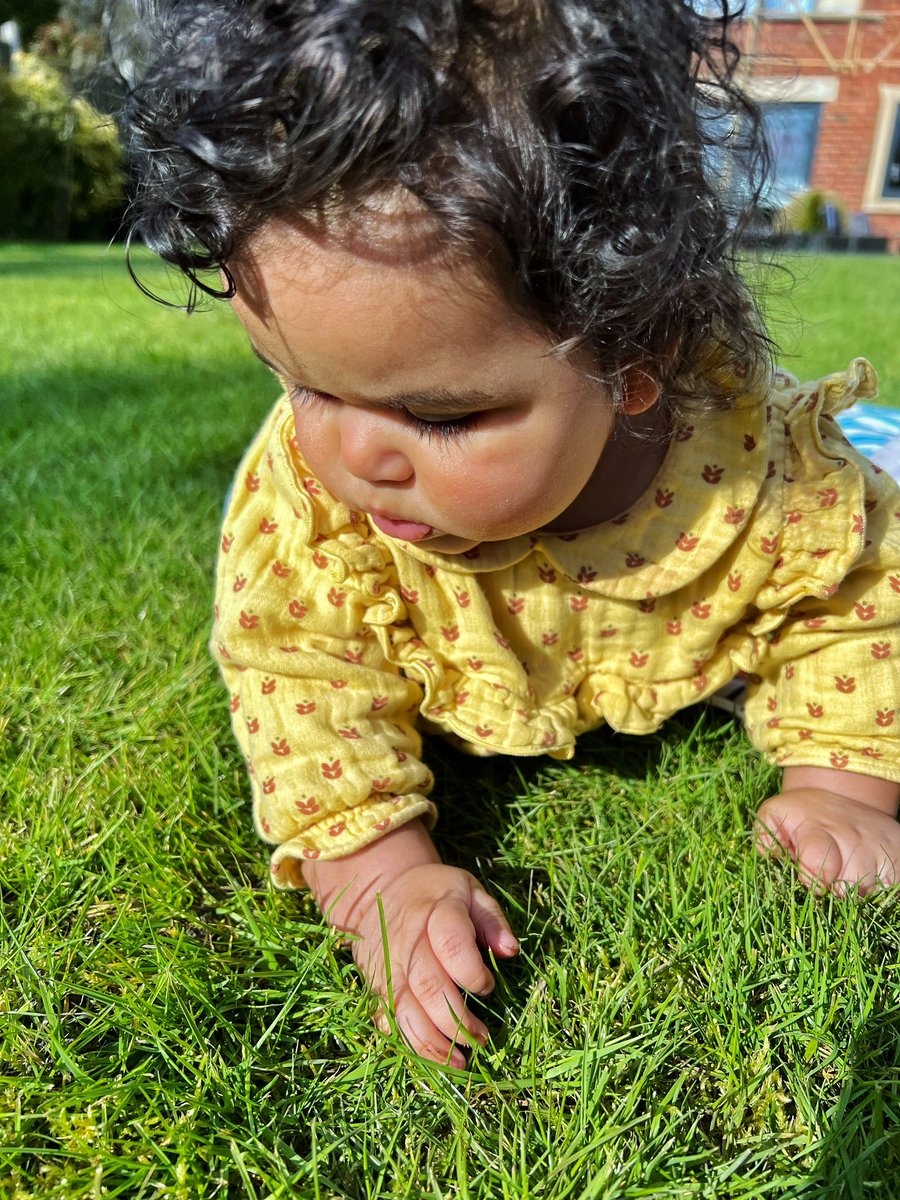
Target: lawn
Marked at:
684, 1020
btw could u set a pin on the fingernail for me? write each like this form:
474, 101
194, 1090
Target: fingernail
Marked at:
458, 1060
509, 943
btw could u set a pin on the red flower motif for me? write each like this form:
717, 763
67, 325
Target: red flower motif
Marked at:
267, 526
684, 433
353, 656
814, 710
410, 595
305, 707
475, 663
577, 654
279, 569
252, 725
251, 482
865, 612
249, 620
639, 660
379, 702
881, 649
312, 486
700, 682
338, 683
733, 516
337, 829
885, 717
332, 770
227, 543
789, 671
673, 627
858, 524
235, 703
268, 687
648, 604
814, 622
712, 473
734, 581
281, 748
515, 605
463, 599
700, 610
381, 785
384, 823
311, 854
663, 497
770, 472
297, 610
483, 731
320, 560
609, 631
749, 442
268, 787
771, 703
827, 497
804, 734
871, 752
550, 639
500, 640
768, 545
450, 632
839, 761
578, 603
634, 560
794, 516
894, 581
352, 734
547, 574
845, 683
686, 543
586, 575
336, 598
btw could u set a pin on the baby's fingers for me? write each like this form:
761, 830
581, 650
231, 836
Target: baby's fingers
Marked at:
491, 926
420, 1033
452, 936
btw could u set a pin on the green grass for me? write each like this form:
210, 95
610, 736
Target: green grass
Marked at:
684, 1021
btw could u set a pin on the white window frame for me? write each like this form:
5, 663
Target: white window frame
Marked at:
873, 200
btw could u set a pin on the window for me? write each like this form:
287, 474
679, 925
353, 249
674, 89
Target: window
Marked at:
821, 8
882, 193
792, 130
891, 188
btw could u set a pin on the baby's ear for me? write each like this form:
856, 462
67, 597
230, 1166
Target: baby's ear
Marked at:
641, 391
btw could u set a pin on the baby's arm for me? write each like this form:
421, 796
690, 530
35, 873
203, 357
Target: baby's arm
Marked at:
435, 919
839, 827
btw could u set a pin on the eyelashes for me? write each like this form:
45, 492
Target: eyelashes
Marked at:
445, 430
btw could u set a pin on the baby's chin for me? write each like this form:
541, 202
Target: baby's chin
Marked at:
449, 543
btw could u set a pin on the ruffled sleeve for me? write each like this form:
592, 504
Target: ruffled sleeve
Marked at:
827, 686
326, 724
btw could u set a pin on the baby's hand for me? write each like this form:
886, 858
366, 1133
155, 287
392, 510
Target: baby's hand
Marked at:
435, 918
837, 840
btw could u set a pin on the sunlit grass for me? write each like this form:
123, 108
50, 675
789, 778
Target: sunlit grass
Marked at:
684, 1021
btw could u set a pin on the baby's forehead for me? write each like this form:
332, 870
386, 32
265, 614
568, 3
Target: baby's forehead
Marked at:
388, 229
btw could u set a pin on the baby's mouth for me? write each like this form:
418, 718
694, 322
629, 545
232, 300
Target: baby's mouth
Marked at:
404, 531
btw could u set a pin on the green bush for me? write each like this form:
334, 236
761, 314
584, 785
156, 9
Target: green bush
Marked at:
60, 160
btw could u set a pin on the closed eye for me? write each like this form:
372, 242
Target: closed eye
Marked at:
424, 427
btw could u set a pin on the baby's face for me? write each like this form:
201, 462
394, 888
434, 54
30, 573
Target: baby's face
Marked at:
419, 397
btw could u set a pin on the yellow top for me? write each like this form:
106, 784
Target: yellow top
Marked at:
766, 547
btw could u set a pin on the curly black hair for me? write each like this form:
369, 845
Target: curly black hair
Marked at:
601, 151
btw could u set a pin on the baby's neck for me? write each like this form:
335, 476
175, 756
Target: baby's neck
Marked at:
628, 465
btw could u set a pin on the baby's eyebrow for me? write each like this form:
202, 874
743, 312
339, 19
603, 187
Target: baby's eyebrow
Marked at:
443, 400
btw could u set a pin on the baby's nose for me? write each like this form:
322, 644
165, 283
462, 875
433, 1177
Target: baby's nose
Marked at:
370, 447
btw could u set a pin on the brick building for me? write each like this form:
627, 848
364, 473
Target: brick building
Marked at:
827, 73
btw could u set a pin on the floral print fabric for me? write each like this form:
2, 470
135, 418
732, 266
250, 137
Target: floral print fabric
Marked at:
766, 547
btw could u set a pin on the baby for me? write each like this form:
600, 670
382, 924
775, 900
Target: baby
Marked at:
533, 470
